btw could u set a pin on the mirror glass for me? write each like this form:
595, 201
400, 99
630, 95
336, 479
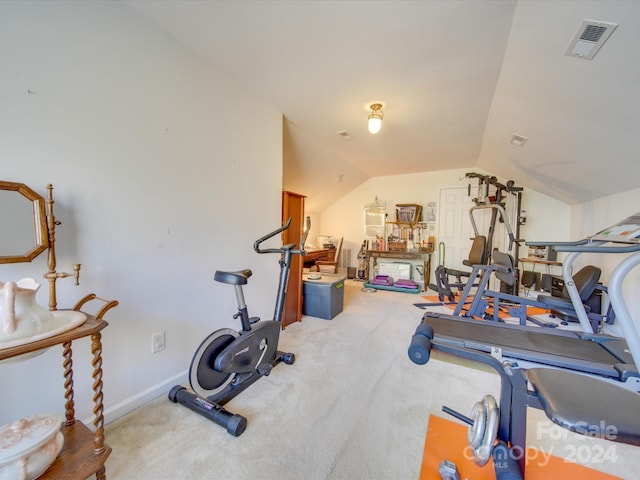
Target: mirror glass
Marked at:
23, 223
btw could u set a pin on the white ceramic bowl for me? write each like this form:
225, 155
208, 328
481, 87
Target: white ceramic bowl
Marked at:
29, 446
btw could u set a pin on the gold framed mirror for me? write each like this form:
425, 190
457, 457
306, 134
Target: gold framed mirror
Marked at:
24, 225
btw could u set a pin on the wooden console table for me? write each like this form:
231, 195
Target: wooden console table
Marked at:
425, 256
84, 452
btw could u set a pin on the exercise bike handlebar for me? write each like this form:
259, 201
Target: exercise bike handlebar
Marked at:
256, 244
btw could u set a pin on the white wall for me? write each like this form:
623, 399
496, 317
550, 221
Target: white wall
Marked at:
547, 219
159, 165
589, 218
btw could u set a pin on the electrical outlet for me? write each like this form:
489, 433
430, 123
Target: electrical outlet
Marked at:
157, 342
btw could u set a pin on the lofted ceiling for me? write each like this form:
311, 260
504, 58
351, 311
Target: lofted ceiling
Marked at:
457, 79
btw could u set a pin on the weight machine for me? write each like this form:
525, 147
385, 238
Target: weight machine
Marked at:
504, 202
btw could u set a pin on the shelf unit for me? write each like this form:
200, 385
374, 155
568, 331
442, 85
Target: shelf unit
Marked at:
375, 217
412, 234
84, 452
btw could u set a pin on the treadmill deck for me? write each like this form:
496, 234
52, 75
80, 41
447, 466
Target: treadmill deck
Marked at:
559, 348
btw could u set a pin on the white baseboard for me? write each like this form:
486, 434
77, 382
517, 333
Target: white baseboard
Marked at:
120, 409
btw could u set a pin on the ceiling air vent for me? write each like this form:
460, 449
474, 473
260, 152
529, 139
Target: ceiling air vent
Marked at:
589, 38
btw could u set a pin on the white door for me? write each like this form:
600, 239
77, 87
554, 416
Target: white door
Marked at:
454, 226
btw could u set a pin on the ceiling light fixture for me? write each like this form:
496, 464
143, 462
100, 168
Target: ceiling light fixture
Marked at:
375, 118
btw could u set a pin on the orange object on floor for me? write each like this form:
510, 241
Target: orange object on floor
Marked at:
435, 299
501, 314
448, 440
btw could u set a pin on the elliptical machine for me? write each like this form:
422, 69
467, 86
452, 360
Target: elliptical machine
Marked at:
227, 362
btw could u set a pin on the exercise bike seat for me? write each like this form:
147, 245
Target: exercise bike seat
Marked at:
233, 278
587, 405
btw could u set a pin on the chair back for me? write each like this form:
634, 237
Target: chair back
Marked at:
336, 255
331, 266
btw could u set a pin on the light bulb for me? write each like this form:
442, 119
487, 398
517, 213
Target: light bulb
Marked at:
375, 118
375, 123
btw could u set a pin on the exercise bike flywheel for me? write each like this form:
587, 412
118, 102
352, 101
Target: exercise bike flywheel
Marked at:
204, 379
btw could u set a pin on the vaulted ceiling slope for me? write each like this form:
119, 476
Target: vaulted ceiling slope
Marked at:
457, 80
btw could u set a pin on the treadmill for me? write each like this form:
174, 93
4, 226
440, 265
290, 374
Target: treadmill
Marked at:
602, 355
595, 354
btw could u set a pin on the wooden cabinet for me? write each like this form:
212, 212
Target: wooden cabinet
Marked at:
293, 206
84, 452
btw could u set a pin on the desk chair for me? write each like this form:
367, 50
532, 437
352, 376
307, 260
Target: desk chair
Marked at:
330, 266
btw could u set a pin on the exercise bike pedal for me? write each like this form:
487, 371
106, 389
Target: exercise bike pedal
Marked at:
264, 369
253, 320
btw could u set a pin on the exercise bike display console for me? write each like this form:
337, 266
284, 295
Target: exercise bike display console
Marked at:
229, 361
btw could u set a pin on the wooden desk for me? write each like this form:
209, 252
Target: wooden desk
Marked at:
425, 256
535, 261
312, 256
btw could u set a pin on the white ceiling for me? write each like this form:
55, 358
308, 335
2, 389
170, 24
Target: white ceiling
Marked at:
457, 79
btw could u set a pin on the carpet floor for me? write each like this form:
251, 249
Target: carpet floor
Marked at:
353, 406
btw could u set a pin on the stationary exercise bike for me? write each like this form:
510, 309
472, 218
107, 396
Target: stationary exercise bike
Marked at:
227, 362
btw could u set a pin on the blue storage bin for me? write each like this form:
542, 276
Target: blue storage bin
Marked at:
323, 298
